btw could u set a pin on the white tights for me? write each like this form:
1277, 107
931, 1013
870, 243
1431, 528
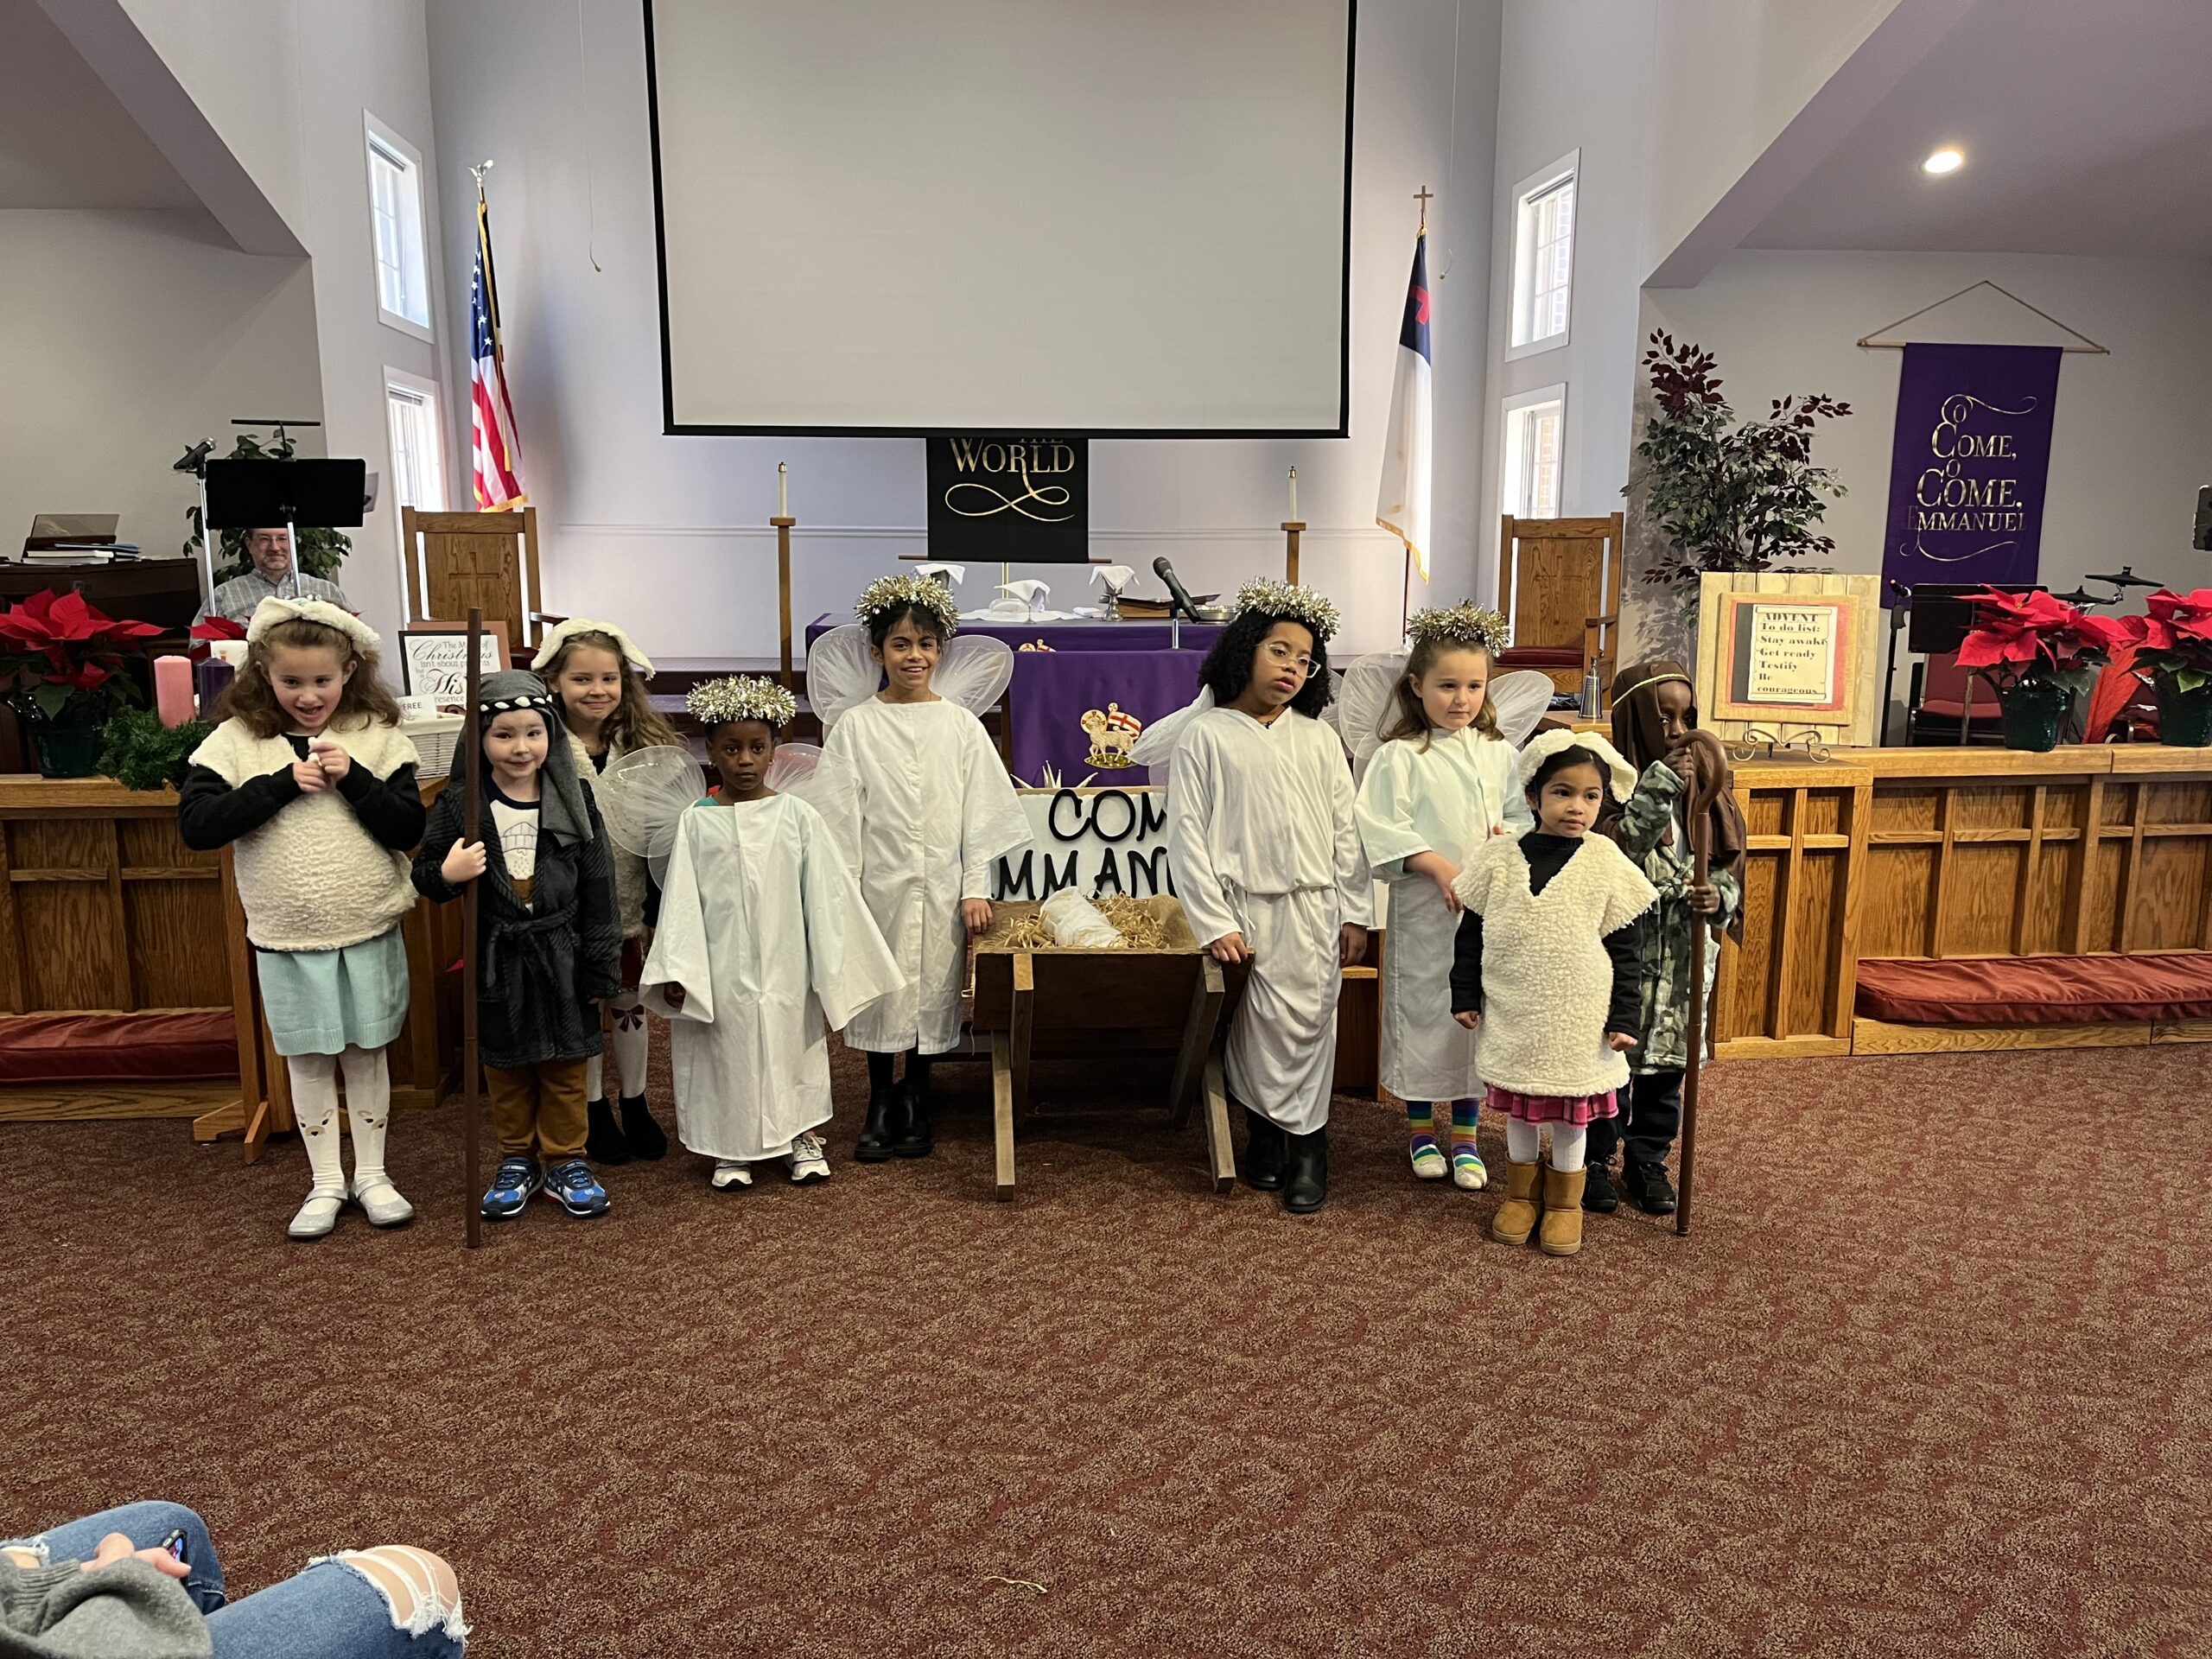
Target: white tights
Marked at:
628, 1040
1524, 1144
368, 1105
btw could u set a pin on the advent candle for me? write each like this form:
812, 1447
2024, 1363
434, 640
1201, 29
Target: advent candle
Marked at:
172, 690
783, 503
211, 678
1293, 495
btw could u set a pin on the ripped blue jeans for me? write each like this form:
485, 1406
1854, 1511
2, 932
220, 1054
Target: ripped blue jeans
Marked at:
392, 1603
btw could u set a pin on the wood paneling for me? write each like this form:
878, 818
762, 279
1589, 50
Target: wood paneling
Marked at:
1935, 854
1880, 1037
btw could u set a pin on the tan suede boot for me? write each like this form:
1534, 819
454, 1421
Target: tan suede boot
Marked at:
1562, 1229
1517, 1217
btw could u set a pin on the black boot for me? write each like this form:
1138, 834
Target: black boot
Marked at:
603, 1141
1308, 1188
914, 1139
638, 1129
1647, 1185
874, 1145
1264, 1153
1597, 1192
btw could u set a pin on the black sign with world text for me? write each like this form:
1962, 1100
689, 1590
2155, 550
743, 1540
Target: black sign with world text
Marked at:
998, 499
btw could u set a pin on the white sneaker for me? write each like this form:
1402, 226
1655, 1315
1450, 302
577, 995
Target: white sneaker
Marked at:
727, 1174
808, 1161
317, 1216
381, 1202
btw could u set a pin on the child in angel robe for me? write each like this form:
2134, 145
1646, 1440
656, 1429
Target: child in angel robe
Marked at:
762, 934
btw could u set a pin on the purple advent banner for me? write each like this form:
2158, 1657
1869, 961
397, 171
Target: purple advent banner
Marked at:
1968, 464
1080, 711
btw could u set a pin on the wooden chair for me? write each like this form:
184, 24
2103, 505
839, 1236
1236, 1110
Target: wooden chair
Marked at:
460, 561
1559, 583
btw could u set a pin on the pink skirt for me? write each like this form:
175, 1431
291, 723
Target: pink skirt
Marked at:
1553, 1108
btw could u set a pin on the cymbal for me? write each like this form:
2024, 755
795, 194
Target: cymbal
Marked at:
2080, 596
2126, 578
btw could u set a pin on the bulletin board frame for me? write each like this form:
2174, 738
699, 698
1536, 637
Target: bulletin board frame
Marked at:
1822, 682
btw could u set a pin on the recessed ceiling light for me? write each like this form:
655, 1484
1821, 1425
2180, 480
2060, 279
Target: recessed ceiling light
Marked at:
1946, 160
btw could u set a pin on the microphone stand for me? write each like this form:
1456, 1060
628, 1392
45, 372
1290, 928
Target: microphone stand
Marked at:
1897, 613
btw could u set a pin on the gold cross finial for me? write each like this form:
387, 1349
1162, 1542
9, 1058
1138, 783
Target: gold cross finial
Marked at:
1424, 195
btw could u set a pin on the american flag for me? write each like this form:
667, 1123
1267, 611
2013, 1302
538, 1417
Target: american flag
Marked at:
491, 416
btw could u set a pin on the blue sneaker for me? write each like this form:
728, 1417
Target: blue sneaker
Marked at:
577, 1189
512, 1185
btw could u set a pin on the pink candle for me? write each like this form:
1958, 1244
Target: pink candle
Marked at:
172, 690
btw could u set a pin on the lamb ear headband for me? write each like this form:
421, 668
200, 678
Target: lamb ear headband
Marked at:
549, 647
1619, 774
273, 612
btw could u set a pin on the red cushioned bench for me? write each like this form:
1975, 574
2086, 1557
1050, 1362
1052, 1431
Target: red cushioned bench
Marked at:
171, 1046
2148, 990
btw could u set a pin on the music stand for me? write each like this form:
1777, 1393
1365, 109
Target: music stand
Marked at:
250, 494
1940, 615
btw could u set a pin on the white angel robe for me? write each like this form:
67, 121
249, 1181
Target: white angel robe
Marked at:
761, 924
936, 807
1447, 798
1261, 837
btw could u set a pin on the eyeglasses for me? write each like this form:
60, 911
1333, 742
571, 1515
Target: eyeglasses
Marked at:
1282, 657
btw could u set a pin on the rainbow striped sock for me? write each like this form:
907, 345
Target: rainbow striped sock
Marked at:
1467, 1167
1420, 1129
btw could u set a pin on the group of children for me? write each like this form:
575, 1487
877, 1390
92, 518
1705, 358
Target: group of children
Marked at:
1516, 970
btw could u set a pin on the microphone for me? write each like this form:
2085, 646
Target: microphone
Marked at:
1176, 591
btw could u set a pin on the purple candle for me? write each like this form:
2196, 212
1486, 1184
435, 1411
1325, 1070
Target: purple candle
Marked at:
209, 678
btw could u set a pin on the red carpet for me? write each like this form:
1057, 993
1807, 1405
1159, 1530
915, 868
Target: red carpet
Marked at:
1933, 1377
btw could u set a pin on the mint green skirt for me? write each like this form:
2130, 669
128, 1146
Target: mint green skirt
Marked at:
324, 1002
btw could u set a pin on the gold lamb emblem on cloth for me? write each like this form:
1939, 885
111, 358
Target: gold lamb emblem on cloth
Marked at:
1113, 733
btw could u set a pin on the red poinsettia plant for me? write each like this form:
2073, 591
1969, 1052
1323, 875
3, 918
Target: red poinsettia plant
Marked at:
2034, 639
58, 652
2174, 638
208, 630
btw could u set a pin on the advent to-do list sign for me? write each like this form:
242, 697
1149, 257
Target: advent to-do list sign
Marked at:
1789, 655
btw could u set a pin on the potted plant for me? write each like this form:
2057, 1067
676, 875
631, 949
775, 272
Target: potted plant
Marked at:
2173, 645
2037, 653
319, 552
61, 670
1729, 496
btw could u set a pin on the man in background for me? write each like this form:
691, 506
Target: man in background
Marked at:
271, 576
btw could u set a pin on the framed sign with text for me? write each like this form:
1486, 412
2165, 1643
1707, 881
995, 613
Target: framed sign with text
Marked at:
1005, 498
1787, 656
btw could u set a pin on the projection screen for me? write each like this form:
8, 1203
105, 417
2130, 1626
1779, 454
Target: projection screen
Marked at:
1084, 217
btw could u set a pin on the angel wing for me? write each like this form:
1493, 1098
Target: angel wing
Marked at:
828, 785
1519, 700
840, 673
642, 795
974, 672
1368, 685
1155, 745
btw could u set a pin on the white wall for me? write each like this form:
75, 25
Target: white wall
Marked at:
669, 534
285, 82
1575, 74
135, 334
2129, 443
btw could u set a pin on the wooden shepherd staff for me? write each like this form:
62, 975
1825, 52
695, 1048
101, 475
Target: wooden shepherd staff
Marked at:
1713, 778
472, 806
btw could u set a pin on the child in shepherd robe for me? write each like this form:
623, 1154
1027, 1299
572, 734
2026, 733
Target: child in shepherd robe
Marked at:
762, 933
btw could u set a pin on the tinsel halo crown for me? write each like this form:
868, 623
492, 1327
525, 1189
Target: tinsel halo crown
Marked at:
1463, 624
885, 593
1289, 600
741, 697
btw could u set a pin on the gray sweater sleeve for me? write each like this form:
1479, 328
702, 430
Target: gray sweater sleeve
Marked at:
127, 1609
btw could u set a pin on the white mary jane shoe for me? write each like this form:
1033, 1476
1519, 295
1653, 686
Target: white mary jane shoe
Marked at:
381, 1202
317, 1216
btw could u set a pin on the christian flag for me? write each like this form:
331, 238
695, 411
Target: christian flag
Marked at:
1401, 505
492, 418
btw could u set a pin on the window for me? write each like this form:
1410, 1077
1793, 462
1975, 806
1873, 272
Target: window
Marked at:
1535, 432
1543, 256
395, 223
418, 474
